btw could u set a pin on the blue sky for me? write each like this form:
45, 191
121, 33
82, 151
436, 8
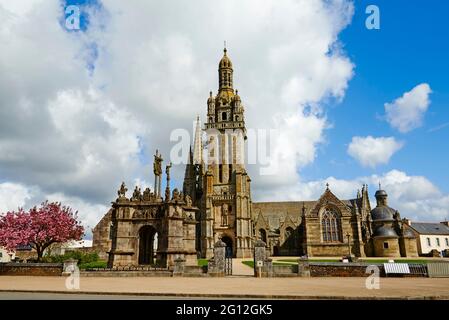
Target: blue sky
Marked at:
411, 47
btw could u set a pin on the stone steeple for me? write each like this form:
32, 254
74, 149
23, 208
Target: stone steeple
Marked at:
197, 144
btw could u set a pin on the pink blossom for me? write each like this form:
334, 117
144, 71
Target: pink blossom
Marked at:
39, 227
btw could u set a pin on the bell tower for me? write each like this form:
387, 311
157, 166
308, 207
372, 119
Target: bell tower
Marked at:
225, 202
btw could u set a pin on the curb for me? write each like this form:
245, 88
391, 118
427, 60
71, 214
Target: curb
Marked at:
230, 296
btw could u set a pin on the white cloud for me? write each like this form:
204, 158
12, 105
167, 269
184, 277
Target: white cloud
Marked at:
406, 113
370, 151
77, 134
13, 196
414, 196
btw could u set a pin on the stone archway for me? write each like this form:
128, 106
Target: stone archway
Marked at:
229, 246
147, 245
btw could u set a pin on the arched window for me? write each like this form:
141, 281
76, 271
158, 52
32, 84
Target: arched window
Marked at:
263, 235
290, 237
330, 226
288, 232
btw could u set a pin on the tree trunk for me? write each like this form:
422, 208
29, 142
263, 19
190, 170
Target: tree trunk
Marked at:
39, 253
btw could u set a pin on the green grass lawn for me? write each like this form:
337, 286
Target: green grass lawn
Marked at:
375, 261
202, 262
249, 263
295, 261
94, 264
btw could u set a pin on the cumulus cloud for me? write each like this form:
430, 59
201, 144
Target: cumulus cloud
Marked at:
406, 113
75, 133
414, 196
13, 196
72, 134
370, 151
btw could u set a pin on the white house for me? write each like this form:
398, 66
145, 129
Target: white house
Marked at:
61, 248
6, 256
430, 236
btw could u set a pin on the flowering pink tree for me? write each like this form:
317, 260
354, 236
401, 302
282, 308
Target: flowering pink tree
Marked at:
39, 227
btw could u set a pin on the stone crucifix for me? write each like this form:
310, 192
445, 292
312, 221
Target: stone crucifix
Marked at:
157, 169
167, 188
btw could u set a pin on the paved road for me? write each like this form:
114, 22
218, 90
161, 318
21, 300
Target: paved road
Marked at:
62, 296
243, 287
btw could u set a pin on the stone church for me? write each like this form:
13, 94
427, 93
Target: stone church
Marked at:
215, 203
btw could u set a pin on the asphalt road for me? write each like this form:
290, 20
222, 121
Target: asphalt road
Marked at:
62, 296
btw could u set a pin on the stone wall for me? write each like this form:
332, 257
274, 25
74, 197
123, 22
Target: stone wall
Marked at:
342, 270
391, 251
101, 240
408, 247
31, 269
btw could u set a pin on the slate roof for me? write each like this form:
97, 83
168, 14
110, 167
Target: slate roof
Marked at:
430, 228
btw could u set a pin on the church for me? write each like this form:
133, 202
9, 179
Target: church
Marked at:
151, 228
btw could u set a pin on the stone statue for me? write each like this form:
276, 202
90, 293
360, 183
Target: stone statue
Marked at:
188, 200
167, 170
137, 195
224, 215
122, 191
175, 195
157, 169
157, 165
147, 194
167, 194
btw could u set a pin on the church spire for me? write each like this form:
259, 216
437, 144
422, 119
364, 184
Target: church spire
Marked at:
197, 143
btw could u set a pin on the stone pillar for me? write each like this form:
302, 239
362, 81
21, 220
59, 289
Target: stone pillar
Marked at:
216, 266
303, 267
70, 266
263, 266
178, 269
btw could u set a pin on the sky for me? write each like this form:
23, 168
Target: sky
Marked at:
83, 109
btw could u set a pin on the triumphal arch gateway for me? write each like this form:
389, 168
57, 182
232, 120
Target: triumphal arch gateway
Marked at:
155, 228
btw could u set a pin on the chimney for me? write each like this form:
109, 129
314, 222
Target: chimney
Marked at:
407, 221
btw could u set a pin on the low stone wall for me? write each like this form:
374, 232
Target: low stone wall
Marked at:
284, 269
31, 269
337, 269
195, 270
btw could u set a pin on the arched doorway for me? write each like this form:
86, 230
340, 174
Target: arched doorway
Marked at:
147, 245
229, 251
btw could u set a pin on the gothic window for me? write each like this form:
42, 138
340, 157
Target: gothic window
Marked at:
220, 173
290, 237
111, 231
224, 116
330, 225
263, 235
288, 233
